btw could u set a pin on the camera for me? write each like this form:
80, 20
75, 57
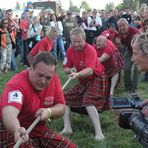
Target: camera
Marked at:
130, 117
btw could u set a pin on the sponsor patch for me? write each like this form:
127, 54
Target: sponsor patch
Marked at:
15, 96
48, 101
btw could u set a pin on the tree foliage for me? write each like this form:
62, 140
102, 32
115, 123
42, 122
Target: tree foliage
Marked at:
17, 5
132, 4
84, 5
72, 7
110, 6
70, 3
143, 1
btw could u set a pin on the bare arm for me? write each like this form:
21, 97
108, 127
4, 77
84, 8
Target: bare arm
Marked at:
70, 70
9, 116
85, 72
56, 111
104, 57
12, 124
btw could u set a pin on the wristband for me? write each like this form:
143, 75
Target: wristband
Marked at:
77, 74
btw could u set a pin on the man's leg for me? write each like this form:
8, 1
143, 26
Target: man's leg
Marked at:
94, 116
114, 80
136, 79
67, 125
127, 71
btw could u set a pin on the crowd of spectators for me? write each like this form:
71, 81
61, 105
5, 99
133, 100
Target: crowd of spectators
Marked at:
18, 36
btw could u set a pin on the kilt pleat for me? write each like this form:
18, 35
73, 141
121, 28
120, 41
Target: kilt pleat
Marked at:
49, 140
115, 68
95, 93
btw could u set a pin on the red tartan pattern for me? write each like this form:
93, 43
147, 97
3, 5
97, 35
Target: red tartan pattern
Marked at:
111, 70
50, 140
94, 93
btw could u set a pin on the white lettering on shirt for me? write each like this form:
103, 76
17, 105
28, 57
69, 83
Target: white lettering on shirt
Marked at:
15, 96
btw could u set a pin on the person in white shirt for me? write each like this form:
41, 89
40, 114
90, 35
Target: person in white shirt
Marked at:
58, 42
34, 32
94, 24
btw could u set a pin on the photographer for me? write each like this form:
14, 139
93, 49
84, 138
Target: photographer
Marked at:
140, 57
135, 117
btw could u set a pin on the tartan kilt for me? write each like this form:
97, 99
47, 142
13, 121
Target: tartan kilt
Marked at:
49, 140
111, 70
95, 93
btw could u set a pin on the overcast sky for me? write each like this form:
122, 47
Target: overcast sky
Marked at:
99, 4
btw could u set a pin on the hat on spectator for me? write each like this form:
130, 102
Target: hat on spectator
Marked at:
29, 3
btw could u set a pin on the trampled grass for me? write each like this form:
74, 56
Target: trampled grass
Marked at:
83, 135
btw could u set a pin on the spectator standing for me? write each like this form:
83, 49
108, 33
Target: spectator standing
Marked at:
7, 39
58, 42
68, 24
94, 25
125, 36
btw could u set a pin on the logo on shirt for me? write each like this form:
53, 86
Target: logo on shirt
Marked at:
48, 101
15, 96
82, 64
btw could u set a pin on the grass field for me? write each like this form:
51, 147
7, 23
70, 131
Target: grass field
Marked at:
83, 130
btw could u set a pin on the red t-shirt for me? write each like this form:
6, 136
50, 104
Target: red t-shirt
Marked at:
84, 59
111, 34
20, 94
44, 45
24, 25
127, 40
109, 50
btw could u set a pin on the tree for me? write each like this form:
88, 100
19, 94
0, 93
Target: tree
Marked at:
132, 4
110, 6
119, 6
17, 5
70, 3
84, 5
74, 9
143, 1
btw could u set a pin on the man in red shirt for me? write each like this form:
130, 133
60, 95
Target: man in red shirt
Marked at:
45, 44
29, 94
125, 36
111, 32
91, 94
111, 58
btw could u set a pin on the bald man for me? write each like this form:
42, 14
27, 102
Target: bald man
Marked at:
111, 58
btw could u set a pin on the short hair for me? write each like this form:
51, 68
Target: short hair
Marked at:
122, 20
9, 10
51, 30
2, 22
44, 57
142, 41
78, 31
